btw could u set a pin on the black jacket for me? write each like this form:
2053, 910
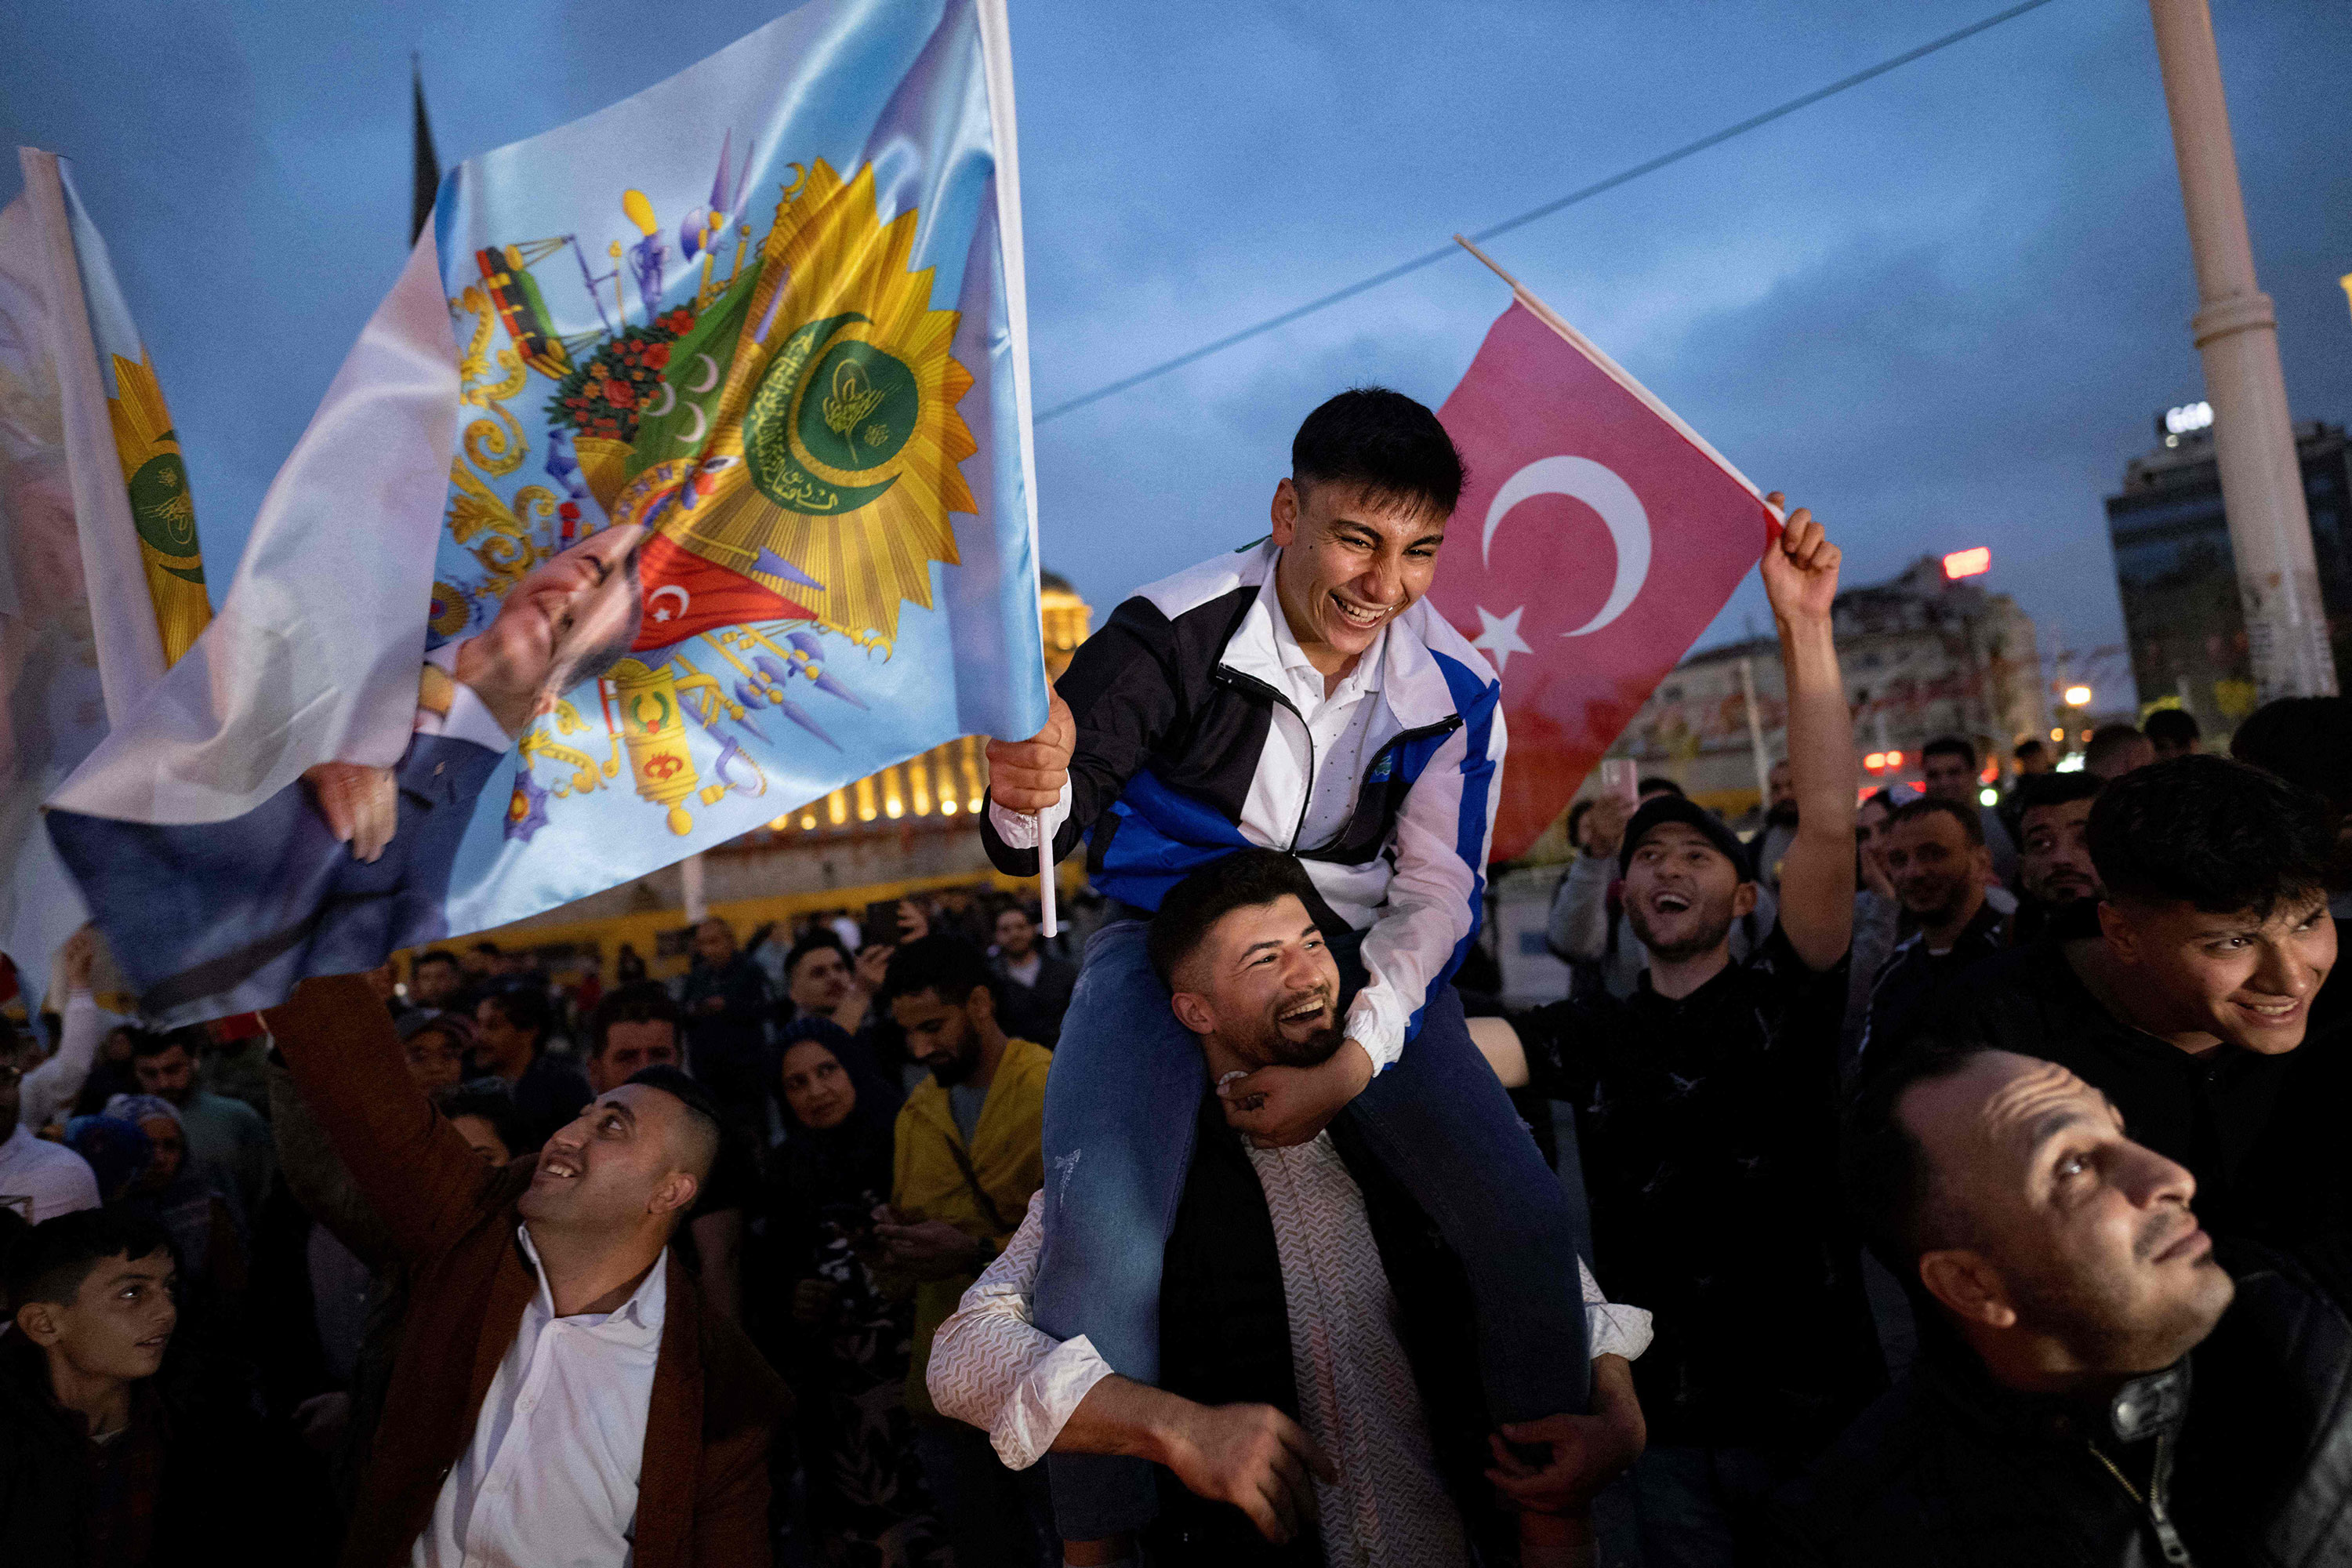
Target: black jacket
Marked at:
1224, 1339
1951, 1471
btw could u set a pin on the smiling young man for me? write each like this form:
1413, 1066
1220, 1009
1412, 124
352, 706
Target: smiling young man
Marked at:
1296, 695
2099, 1385
563, 1392
1317, 1401
2183, 994
1705, 1110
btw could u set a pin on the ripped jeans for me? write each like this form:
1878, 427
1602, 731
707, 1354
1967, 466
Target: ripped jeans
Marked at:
1120, 1109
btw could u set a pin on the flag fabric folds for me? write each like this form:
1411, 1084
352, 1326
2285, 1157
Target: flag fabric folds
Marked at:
102, 583
683, 476
1597, 538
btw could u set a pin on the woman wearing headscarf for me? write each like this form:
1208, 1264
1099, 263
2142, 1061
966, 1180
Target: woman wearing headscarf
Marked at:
170, 1193
844, 1335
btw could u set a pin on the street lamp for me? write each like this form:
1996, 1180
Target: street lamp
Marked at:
2078, 696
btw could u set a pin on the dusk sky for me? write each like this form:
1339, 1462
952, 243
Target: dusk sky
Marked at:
1941, 309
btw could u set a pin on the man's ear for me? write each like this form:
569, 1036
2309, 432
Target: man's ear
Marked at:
2117, 928
1969, 1287
1743, 901
1285, 513
37, 1322
1193, 1011
676, 1190
981, 1004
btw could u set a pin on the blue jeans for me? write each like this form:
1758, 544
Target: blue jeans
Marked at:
1120, 1105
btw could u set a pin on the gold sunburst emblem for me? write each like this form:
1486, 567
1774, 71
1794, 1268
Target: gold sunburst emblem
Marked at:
831, 442
161, 507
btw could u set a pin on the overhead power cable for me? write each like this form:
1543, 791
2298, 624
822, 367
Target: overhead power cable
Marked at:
1623, 176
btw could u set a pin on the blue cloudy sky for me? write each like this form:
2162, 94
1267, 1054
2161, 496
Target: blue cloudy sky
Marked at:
1941, 309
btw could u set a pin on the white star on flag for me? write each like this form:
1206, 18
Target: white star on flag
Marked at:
1500, 638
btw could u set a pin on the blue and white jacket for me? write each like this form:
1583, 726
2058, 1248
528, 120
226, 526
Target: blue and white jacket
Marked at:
1189, 748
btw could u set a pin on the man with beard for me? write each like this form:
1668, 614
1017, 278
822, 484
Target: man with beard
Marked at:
217, 917
1316, 1400
1707, 1117
2054, 870
968, 1155
1948, 771
1935, 856
2097, 1388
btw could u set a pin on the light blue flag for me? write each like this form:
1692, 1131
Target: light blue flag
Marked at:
726, 390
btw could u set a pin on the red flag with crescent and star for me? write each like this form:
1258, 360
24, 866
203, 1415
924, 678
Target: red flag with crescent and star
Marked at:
1597, 538
687, 595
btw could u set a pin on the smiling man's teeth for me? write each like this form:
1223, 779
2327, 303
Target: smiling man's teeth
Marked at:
1360, 615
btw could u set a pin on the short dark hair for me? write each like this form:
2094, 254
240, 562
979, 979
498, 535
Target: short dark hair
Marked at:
2057, 789
702, 1115
2172, 727
1950, 746
491, 1100
1385, 443
2209, 832
525, 1006
50, 1261
2305, 740
1884, 1166
815, 938
2030, 747
1245, 880
489, 947
153, 1043
435, 955
646, 1002
1883, 796
1972, 824
2110, 740
1657, 784
946, 965
1575, 817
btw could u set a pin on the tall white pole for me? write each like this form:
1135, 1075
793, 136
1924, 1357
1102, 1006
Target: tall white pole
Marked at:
1755, 735
2237, 332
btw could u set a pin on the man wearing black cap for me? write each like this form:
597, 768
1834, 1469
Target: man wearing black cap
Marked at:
1707, 1120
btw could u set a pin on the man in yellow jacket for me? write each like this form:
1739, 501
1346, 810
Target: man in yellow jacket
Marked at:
968, 1155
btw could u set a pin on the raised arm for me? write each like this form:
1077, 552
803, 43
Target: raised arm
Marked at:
52, 1086
1800, 577
412, 1168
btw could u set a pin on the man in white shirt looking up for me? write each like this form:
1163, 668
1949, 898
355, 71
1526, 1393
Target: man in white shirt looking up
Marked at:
1317, 1400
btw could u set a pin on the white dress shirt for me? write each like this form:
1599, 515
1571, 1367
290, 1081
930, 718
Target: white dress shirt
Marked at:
551, 1477
56, 1179
993, 1367
468, 718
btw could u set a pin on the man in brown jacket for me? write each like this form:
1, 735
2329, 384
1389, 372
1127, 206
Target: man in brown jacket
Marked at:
561, 1392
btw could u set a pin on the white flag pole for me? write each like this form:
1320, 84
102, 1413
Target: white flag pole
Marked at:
1617, 373
996, 53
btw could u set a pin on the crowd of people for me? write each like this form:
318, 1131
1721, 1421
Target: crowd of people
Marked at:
1908, 1181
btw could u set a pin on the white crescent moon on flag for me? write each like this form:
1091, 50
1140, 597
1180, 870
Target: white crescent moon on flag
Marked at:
694, 438
1598, 487
712, 379
660, 594
668, 402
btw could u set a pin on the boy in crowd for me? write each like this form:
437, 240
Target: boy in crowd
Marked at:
1297, 695
85, 1446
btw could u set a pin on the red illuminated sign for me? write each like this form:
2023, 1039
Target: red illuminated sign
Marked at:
1974, 563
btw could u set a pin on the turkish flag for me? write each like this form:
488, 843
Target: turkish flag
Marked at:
685, 594
1597, 538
